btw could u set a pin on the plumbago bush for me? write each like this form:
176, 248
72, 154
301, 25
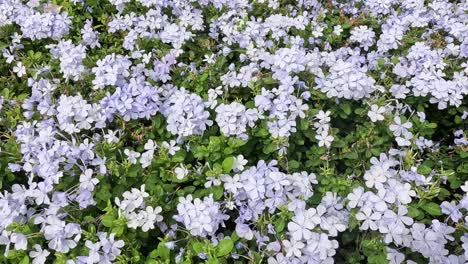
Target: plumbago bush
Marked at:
233, 131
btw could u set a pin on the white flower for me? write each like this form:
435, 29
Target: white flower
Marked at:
398, 128
293, 248
376, 176
302, 223
151, 145
146, 158
87, 181
132, 155
337, 30
324, 139
20, 241
181, 172
39, 255
464, 187
244, 231
111, 136
231, 184
171, 147
405, 140
151, 216
19, 69
210, 59
355, 198
375, 114
239, 163
369, 218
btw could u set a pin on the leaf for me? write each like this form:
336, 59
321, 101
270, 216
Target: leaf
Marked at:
346, 107
25, 260
133, 171
228, 164
381, 62
161, 252
351, 155
293, 164
432, 208
280, 225
267, 149
109, 216
423, 169
198, 247
413, 212
224, 247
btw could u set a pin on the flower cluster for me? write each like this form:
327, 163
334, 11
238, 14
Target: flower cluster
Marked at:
136, 212
185, 113
111, 70
200, 217
71, 59
233, 131
347, 79
234, 118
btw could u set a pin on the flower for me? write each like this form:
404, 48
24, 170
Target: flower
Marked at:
239, 163
181, 172
19, 69
375, 114
132, 156
39, 255
149, 217
86, 180
171, 147
337, 30
324, 139
356, 197
398, 128
303, 223
452, 210
369, 218
293, 247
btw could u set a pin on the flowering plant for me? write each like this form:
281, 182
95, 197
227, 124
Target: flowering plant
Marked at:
216, 131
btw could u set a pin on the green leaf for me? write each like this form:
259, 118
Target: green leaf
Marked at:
161, 251
432, 208
133, 171
293, 164
280, 224
346, 107
425, 170
109, 216
351, 155
224, 247
228, 164
413, 212
25, 260
198, 247
267, 149
381, 62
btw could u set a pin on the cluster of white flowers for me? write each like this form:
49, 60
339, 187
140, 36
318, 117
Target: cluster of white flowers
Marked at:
111, 71
47, 25
233, 119
200, 217
106, 250
75, 114
323, 129
282, 107
185, 113
385, 210
71, 59
273, 63
347, 79
136, 212
363, 35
